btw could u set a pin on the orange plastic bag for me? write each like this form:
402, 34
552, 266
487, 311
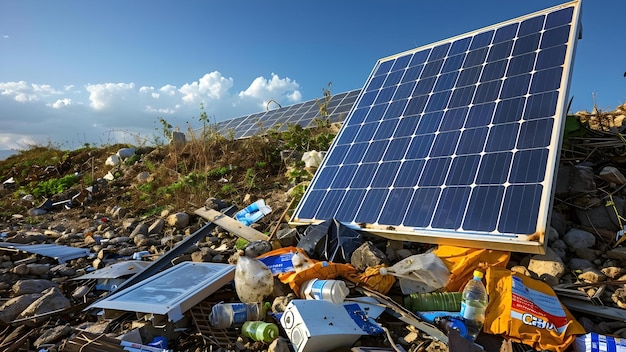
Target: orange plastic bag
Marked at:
315, 269
463, 261
528, 311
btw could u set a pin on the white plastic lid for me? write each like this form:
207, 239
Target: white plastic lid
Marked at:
383, 271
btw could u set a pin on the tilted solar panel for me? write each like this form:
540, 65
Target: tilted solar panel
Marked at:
455, 142
303, 114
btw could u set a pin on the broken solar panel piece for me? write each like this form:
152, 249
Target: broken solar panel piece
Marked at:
455, 142
169, 293
58, 252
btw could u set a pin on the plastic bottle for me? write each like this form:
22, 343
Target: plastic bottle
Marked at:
224, 315
423, 302
260, 331
473, 305
334, 291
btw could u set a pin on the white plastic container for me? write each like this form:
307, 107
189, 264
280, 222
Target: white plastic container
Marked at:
225, 315
334, 291
321, 326
253, 280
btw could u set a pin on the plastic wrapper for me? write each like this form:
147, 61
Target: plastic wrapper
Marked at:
330, 240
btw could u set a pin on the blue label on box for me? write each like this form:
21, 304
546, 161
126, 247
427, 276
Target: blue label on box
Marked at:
279, 264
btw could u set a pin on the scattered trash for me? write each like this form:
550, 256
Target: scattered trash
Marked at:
253, 280
58, 252
419, 273
224, 315
169, 293
474, 303
260, 331
527, 310
253, 212
593, 342
433, 301
331, 290
320, 326
330, 240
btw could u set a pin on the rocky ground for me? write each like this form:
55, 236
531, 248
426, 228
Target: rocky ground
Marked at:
123, 202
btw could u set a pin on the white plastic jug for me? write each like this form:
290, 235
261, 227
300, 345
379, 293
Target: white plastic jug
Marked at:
334, 291
253, 280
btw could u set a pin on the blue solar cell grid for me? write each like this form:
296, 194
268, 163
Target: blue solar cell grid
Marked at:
279, 119
456, 138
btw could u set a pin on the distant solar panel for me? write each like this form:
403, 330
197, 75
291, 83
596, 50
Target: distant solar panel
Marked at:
455, 142
302, 114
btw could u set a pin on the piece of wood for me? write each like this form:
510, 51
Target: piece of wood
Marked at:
231, 225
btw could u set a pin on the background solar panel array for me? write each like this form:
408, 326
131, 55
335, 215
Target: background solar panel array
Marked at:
303, 114
455, 137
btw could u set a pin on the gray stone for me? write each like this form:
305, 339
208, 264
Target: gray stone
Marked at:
256, 248
179, 220
215, 204
62, 270
575, 180
143, 177
28, 237
558, 222
51, 300
20, 269
553, 234
113, 160
14, 306
120, 240
287, 236
141, 240
140, 229
53, 335
580, 264
602, 216
203, 255
368, 255
126, 152
547, 266
32, 286
281, 344
36, 211
612, 175
559, 247
156, 227
38, 269
577, 238
587, 253
618, 253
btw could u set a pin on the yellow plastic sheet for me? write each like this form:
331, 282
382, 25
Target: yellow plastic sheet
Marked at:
463, 261
528, 311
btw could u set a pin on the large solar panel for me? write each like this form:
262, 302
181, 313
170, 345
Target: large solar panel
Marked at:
456, 142
303, 114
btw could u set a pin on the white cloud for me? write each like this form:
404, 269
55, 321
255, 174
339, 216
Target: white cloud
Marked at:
212, 86
60, 103
104, 95
111, 112
23, 92
6, 36
285, 91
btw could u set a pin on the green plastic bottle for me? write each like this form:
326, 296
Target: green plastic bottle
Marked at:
260, 331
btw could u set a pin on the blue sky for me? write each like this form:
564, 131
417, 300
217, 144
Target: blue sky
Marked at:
75, 72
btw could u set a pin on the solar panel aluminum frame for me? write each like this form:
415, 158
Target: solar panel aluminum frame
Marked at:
530, 242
